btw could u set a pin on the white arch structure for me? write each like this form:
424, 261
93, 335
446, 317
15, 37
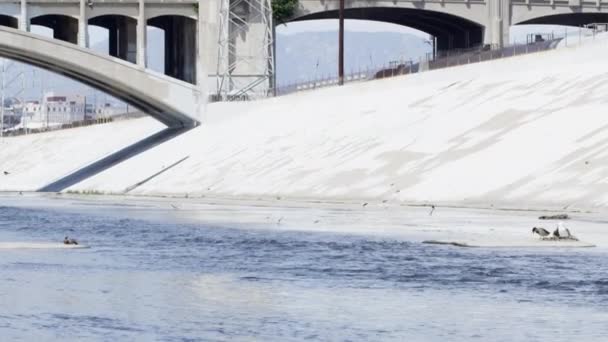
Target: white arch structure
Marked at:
173, 102
444, 18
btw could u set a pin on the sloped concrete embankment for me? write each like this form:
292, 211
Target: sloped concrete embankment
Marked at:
522, 132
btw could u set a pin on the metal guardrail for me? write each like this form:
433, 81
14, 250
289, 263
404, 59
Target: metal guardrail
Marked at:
487, 55
465, 56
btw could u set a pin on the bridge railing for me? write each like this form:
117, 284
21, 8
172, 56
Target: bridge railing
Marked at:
468, 56
483, 55
536, 43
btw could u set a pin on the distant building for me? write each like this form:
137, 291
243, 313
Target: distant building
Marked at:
56, 110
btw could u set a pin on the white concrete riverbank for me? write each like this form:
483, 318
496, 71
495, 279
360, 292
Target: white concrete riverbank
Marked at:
524, 132
471, 226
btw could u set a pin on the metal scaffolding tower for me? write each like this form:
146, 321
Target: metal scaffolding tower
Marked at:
245, 65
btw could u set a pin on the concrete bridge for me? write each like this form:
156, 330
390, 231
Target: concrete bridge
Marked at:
203, 51
170, 100
225, 46
210, 46
461, 23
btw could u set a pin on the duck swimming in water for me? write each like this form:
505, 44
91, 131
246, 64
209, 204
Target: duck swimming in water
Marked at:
68, 241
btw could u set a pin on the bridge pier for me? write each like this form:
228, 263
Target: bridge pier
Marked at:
207, 47
189, 26
180, 46
496, 32
24, 23
83, 34
141, 34
122, 35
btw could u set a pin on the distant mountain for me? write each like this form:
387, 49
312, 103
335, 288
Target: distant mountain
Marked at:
305, 56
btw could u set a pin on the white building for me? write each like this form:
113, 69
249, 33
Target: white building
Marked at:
54, 110
58, 109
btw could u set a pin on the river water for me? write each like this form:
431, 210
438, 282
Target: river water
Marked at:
175, 281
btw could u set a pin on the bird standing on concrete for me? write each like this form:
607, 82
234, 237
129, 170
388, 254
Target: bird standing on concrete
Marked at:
561, 232
540, 231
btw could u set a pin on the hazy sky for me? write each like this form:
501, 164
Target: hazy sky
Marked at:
350, 25
518, 33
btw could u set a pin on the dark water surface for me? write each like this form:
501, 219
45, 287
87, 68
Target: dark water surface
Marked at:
181, 282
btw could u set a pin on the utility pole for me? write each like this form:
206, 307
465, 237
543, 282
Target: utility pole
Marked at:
22, 100
341, 45
3, 91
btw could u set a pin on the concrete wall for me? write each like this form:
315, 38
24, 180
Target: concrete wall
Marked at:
506, 133
62, 152
510, 133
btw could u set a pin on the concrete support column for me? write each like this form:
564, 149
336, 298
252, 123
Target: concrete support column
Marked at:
180, 44
141, 35
24, 22
67, 30
127, 41
207, 46
83, 35
123, 38
506, 21
189, 51
499, 23
113, 40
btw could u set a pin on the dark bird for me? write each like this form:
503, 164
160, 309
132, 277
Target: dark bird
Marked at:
561, 232
540, 231
68, 241
6, 173
365, 204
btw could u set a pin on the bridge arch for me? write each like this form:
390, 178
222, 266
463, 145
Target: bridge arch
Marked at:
99, 10
566, 19
173, 102
122, 35
451, 31
64, 27
9, 21
185, 10
179, 45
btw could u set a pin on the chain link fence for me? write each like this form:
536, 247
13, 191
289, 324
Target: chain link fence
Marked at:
443, 60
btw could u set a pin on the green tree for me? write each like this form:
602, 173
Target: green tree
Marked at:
282, 10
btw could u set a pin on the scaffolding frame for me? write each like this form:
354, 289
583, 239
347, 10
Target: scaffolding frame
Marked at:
245, 64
